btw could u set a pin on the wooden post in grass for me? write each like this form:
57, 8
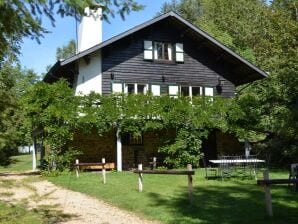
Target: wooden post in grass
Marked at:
190, 188
103, 161
140, 167
154, 163
77, 168
267, 194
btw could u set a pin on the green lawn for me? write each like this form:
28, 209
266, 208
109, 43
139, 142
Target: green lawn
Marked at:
18, 214
18, 163
164, 197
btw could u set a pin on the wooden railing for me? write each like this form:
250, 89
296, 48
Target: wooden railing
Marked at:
189, 172
266, 182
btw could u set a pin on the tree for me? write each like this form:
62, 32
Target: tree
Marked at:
20, 19
66, 51
14, 127
265, 34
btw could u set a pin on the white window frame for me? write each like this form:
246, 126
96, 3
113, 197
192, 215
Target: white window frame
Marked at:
190, 90
170, 54
135, 87
201, 90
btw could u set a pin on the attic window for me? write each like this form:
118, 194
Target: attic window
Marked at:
163, 51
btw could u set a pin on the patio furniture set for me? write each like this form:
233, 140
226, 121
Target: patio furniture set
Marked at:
229, 166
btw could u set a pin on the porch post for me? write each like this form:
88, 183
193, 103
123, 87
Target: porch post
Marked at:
119, 150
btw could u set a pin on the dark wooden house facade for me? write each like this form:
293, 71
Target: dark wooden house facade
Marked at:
166, 55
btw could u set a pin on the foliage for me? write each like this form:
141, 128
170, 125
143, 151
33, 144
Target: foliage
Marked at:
19, 163
55, 109
60, 161
20, 19
18, 214
14, 128
66, 51
265, 34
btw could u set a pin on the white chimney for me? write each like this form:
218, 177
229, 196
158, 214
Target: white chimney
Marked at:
90, 29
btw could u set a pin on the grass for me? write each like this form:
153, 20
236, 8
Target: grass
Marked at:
165, 197
18, 214
18, 163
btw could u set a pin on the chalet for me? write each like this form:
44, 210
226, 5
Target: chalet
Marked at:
166, 55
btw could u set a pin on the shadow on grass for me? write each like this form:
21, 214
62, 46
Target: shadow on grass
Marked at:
229, 204
50, 214
29, 173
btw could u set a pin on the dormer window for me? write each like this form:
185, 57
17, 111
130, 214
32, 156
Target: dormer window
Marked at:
163, 51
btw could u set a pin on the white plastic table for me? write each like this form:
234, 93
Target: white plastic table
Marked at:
224, 165
231, 161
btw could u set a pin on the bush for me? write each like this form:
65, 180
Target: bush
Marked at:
58, 162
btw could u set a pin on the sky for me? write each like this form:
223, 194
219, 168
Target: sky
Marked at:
38, 56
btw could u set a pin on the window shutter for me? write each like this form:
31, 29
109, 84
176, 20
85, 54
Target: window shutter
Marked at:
155, 90
208, 91
148, 50
173, 90
117, 87
179, 52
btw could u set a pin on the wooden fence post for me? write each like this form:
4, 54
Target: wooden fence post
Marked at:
103, 161
77, 168
154, 163
190, 188
140, 167
268, 200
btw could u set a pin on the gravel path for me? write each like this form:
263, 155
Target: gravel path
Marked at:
74, 207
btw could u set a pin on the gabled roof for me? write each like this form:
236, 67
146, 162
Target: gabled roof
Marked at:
255, 71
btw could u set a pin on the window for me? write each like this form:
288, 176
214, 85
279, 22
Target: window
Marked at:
117, 88
163, 51
185, 91
130, 88
197, 91
158, 50
155, 90
135, 140
142, 89
179, 52
134, 88
191, 91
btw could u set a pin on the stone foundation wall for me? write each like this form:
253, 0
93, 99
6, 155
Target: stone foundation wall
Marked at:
95, 147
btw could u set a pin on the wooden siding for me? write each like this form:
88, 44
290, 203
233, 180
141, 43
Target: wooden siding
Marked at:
200, 68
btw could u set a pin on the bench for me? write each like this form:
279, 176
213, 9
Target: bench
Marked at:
94, 166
